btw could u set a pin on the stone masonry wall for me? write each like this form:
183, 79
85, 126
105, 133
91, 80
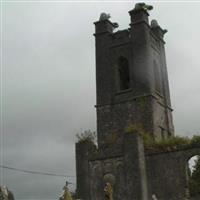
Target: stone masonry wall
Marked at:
167, 173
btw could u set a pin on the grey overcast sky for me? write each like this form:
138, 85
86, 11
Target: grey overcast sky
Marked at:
48, 83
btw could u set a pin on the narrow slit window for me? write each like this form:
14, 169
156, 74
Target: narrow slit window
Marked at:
123, 71
157, 78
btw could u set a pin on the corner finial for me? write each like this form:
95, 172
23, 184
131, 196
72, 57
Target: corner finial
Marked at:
104, 16
142, 6
154, 24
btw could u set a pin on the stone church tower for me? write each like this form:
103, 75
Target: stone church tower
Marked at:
132, 91
131, 78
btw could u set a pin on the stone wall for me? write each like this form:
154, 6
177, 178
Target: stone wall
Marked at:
135, 173
167, 172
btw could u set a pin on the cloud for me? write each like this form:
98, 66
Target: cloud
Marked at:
49, 83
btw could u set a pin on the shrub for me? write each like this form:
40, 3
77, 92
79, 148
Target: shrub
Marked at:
171, 142
195, 139
87, 136
138, 128
134, 128
164, 144
148, 140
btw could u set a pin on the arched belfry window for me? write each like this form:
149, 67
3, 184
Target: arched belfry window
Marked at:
123, 73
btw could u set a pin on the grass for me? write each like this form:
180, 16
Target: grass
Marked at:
171, 142
164, 144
